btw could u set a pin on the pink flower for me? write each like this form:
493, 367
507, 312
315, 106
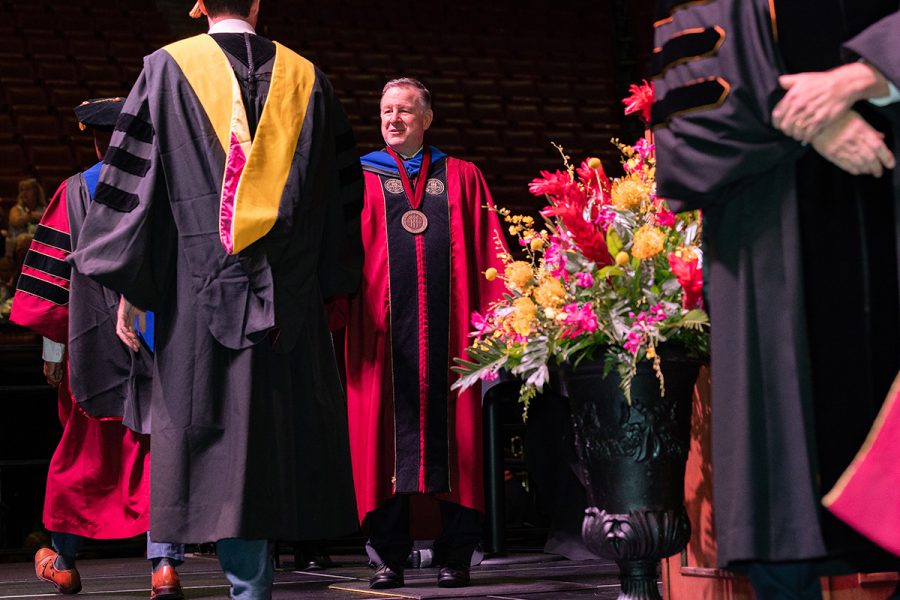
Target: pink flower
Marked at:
579, 320
555, 259
605, 217
644, 148
583, 279
481, 324
664, 217
640, 101
489, 376
642, 324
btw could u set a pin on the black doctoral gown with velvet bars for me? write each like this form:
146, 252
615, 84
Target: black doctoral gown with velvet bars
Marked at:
229, 204
800, 264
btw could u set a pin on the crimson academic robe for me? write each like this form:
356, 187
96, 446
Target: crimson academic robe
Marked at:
229, 205
800, 266
98, 481
409, 433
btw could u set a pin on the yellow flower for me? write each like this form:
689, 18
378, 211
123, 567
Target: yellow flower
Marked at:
628, 193
651, 352
622, 258
526, 311
536, 244
648, 242
490, 274
519, 274
525, 307
550, 293
594, 163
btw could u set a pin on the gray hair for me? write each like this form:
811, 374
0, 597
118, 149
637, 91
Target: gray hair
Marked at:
424, 94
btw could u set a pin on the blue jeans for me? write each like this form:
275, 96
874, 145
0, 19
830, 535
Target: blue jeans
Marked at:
174, 552
68, 544
248, 566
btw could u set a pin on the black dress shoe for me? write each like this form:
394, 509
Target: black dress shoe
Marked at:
448, 577
385, 578
308, 561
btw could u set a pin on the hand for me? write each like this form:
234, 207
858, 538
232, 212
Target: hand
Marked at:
853, 145
53, 372
125, 324
815, 100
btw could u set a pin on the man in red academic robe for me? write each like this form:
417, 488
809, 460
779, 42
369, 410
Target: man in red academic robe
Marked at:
429, 232
98, 482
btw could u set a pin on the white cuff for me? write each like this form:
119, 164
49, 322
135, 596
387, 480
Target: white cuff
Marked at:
892, 96
53, 351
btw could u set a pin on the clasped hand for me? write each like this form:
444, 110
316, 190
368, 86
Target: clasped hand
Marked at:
816, 110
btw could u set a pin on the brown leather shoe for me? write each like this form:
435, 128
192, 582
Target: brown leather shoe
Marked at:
66, 582
165, 584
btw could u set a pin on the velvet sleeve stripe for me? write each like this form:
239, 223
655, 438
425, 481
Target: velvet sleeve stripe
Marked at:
115, 198
43, 289
135, 127
48, 264
126, 161
686, 46
701, 95
53, 237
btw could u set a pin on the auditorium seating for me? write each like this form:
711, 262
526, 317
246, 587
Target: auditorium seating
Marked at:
508, 77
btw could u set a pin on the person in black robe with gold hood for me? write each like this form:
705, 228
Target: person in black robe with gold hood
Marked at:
800, 266
229, 205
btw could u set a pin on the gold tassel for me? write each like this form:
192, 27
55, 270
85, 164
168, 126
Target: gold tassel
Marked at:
196, 13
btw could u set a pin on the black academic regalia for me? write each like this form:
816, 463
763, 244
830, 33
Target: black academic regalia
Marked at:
800, 267
249, 422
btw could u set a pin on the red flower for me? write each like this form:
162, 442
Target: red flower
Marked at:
550, 184
686, 268
594, 177
640, 101
588, 237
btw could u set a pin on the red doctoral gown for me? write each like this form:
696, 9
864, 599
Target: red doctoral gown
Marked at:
409, 434
98, 482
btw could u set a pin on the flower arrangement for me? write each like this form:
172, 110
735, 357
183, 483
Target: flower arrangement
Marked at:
612, 272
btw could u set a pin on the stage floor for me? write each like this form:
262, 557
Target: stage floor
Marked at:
517, 576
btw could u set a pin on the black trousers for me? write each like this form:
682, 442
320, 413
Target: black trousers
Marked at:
389, 533
785, 581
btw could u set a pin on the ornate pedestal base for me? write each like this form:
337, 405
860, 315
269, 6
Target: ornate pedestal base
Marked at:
636, 541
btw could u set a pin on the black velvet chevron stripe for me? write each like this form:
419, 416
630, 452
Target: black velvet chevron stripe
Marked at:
53, 237
702, 95
48, 264
115, 198
686, 46
135, 127
665, 8
43, 289
126, 161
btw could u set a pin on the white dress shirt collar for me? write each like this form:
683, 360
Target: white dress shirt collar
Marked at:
232, 26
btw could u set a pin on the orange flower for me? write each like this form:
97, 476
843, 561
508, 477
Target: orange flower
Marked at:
524, 315
519, 274
628, 193
550, 293
648, 242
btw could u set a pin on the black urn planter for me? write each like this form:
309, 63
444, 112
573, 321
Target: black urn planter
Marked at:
633, 458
